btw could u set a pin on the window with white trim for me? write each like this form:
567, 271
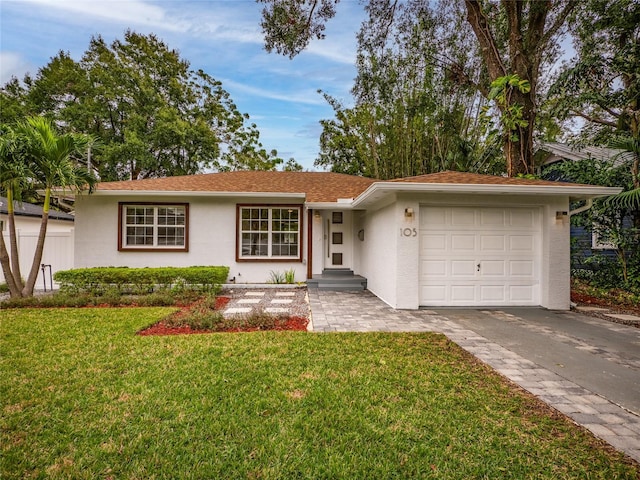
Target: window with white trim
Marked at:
157, 227
269, 232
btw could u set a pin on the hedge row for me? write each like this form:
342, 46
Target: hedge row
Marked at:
141, 280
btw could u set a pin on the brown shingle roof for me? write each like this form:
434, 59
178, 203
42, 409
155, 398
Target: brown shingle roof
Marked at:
465, 178
318, 186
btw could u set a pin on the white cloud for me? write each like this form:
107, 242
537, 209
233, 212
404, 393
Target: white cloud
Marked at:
307, 97
13, 65
129, 12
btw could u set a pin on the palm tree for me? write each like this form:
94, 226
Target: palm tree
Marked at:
49, 158
14, 174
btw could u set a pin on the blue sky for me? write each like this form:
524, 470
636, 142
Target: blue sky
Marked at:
221, 37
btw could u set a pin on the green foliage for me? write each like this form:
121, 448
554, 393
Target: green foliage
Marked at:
142, 280
611, 219
152, 114
290, 276
276, 277
289, 26
601, 85
411, 115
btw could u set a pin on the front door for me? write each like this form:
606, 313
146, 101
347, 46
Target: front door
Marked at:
337, 228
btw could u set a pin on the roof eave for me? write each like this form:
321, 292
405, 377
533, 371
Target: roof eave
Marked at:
574, 192
198, 193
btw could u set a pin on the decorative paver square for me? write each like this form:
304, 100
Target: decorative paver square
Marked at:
249, 301
233, 310
281, 301
285, 294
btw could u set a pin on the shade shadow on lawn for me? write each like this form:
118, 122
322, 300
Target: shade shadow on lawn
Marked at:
84, 397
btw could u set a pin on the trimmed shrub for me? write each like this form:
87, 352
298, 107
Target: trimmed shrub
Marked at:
141, 280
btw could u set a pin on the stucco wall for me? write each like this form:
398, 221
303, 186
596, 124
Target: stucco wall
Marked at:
212, 237
378, 252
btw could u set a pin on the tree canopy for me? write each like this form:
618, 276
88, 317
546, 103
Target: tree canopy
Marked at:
151, 114
509, 39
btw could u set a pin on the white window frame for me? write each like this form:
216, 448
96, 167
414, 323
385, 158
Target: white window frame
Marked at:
269, 232
155, 226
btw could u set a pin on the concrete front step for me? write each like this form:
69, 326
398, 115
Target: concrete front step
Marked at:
337, 282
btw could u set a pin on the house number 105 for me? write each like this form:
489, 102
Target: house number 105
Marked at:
408, 232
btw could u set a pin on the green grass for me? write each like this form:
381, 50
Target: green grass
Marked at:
84, 397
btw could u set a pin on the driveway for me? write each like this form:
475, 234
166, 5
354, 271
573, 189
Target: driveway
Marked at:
585, 367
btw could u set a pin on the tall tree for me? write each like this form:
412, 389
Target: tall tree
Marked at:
49, 160
601, 84
410, 117
152, 114
513, 37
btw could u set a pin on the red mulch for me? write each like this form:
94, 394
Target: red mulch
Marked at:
161, 328
584, 299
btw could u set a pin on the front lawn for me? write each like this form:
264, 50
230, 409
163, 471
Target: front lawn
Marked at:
84, 397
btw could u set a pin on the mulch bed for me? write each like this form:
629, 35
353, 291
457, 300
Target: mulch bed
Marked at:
587, 300
293, 323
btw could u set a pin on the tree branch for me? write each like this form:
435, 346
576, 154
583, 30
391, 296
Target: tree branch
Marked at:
590, 118
488, 48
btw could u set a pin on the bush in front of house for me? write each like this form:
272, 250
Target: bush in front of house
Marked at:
99, 280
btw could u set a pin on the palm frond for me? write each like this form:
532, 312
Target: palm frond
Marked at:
629, 199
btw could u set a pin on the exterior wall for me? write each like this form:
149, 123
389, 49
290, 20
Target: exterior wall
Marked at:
212, 237
556, 271
378, 252
58, 246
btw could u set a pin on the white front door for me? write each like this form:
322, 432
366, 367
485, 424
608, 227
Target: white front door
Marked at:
337, 239
479, 256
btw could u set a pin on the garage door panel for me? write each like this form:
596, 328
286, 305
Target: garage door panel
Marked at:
492, 243
434, 294
463, 217
521, 294
463, 293
493, 268
522, 218
521, 268
434, 268
462, 242
492, 294
492, 217
504, 242
521, 243
463, 268
434, 242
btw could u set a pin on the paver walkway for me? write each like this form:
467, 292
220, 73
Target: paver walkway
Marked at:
362, 311
291, 301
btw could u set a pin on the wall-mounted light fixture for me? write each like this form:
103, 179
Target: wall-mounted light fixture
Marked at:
316, 214
561, 216
408, 212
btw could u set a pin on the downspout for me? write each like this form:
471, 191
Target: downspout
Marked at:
583, 208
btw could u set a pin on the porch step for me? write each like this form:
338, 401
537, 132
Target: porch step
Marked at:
338, 279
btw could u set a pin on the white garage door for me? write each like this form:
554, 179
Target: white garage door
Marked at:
479, 256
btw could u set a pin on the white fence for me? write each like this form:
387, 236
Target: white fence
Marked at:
58, 252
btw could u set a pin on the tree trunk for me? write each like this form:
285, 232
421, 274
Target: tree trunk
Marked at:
27, 291
13, 241
14, 290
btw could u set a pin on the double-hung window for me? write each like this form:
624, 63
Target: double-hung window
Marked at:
154, 227
269, 232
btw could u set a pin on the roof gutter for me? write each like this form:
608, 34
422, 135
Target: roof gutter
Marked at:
583, 208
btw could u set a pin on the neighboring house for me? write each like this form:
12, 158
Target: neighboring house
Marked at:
58, 246
586, 241
445, 239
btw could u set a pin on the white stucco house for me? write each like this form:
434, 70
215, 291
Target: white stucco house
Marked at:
445, 239
58, 246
